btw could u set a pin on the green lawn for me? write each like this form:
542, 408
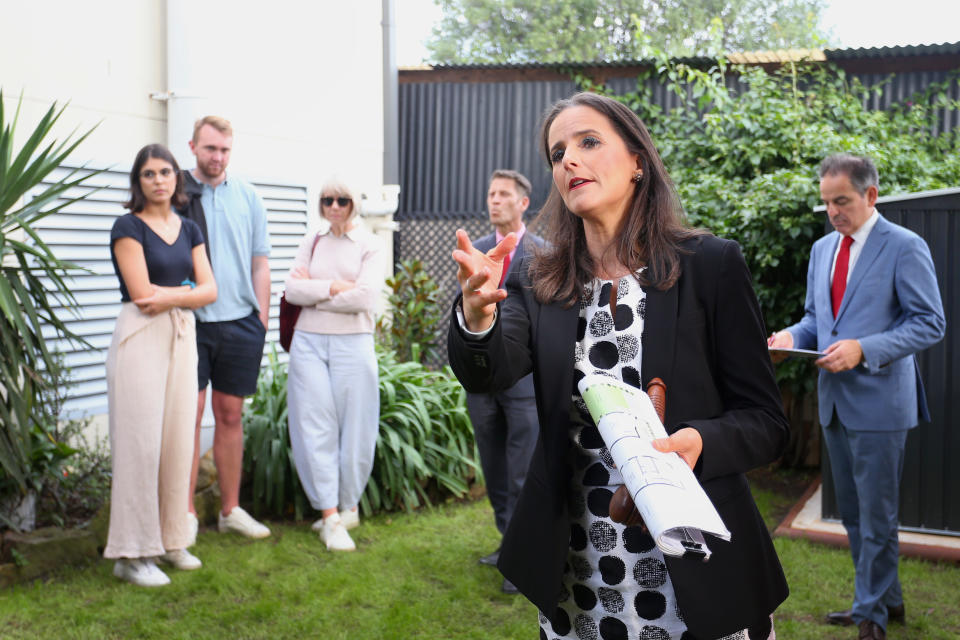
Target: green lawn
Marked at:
414, 576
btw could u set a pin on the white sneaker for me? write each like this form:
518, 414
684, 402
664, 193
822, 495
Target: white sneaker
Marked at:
181, 559
350, 518
193, 525
140, 571
239, 521
335, 535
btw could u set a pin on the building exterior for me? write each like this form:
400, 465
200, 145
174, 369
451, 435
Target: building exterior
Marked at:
308, 86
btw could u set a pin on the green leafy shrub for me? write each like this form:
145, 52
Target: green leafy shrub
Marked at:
411, 330
69, 470
425, 447
267, 457
81, 484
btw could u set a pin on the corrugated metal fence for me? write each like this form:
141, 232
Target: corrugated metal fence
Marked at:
80, 233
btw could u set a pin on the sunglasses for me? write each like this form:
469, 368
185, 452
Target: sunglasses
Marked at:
328, 201
150, 174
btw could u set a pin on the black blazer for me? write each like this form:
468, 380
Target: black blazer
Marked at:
706, 339
528, 243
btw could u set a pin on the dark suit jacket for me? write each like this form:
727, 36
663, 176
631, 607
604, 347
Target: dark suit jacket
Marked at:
524, 386
706, 339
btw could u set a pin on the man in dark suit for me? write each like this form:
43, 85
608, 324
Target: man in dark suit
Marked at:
872, 303
505, 423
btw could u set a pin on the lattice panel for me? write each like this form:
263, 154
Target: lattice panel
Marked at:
432, 240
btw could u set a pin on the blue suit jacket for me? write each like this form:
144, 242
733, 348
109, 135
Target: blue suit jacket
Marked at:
892, 306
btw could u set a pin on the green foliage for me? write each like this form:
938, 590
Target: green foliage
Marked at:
68, 473
745, 164
31, 276
18, 558
267, 456
524, 31
80, 485
411, 330
425, 447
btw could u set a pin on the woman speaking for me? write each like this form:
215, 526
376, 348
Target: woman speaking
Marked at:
625, 289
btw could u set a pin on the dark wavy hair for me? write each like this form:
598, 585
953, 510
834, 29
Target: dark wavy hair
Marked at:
137, 200
649, 235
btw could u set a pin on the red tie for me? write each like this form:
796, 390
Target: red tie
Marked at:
840, 274
506, 265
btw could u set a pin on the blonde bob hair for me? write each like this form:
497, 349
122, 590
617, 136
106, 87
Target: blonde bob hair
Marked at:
339, 189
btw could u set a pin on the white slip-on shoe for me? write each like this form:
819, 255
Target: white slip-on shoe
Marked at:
181, 559
335, 535
317, 526
239, 521
350, 518
141, 572
193, 525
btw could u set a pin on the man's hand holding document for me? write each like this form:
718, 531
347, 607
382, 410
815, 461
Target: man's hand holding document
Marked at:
673, 504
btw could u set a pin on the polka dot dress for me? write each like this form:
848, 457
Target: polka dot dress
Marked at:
615, 583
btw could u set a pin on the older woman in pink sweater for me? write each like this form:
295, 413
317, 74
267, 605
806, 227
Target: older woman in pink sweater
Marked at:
332, 391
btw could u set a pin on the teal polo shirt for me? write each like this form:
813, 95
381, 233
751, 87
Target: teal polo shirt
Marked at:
237, 227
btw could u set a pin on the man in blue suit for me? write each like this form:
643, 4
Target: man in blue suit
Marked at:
872, 303
505, 423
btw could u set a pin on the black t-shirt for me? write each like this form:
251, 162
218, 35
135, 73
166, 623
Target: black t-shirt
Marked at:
168, 265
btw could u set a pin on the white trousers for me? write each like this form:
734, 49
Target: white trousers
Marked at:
152, 398
333, 409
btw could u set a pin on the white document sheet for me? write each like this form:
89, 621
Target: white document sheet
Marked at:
673, 504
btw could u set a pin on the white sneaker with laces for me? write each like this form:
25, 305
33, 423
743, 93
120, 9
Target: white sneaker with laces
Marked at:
335, 535
182, 559
193, 525
239, 521
141, 572
350, 518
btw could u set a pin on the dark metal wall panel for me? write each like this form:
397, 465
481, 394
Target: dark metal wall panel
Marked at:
930, 488
898, 88
453, 135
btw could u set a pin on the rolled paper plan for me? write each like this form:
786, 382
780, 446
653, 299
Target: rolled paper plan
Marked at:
674, 506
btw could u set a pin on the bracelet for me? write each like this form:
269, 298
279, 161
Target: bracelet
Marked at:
189, 283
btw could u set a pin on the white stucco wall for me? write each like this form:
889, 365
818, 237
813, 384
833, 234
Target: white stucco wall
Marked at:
302, 82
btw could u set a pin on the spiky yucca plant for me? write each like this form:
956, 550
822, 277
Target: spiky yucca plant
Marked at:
31, 278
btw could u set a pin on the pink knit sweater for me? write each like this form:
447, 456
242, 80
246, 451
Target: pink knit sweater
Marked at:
355, 256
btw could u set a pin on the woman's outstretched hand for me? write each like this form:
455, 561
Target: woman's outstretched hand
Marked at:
479, 276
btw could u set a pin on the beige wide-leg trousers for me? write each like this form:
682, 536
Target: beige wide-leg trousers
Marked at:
152, 396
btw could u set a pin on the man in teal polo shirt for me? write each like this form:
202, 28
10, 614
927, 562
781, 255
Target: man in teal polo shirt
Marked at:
230, 331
